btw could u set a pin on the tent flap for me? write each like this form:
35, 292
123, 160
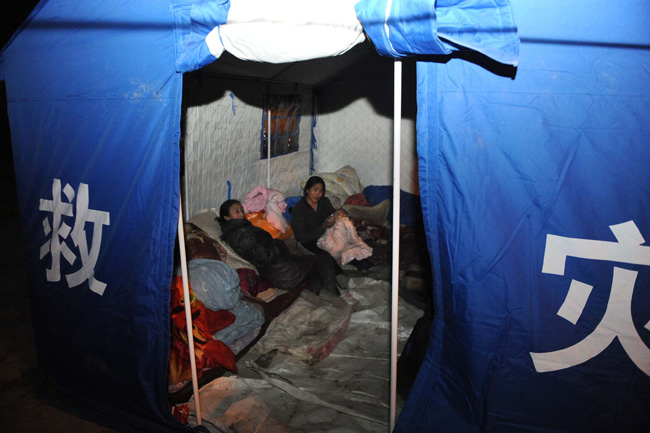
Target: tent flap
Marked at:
263, 31
195, 21
94, 109
535, 199
422, 27
294, 30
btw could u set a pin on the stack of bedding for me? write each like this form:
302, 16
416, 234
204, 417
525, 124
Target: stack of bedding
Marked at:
298, 323
221, 282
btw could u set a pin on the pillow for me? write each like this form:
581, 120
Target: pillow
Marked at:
206, 221
291, 202
339, 185
377, 214
198, 245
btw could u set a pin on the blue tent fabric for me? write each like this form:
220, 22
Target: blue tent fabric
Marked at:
407, 28
423, 27
195, 20
534, 193
526, 183
94, 108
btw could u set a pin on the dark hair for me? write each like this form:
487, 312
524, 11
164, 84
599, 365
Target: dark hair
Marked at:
224, 210
313, 181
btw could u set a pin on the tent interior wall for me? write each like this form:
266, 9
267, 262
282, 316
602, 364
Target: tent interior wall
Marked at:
353, 126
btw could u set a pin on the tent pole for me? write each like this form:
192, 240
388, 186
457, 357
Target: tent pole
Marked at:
268, 153
397, 125
188, 309
184, 190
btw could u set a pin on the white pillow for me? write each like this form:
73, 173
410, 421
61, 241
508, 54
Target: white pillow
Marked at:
207, 222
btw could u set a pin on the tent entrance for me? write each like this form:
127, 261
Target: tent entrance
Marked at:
360, 77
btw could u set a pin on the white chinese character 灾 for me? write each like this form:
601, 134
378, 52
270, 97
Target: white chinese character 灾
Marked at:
617, 320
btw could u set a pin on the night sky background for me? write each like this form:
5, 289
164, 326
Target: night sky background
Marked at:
11, 19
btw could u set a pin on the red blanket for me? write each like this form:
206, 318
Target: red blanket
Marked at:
208, 352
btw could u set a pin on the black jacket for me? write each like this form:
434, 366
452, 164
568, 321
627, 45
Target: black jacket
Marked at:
307, 223
270, 256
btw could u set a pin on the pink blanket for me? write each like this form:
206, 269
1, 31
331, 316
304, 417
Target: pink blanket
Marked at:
269, 200
343, 243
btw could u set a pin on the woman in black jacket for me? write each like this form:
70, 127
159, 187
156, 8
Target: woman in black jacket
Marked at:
313, 214
270, 256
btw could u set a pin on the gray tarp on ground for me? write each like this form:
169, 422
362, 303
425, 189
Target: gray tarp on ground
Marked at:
348, 391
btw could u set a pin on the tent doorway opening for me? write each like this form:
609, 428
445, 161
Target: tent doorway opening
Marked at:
346, 120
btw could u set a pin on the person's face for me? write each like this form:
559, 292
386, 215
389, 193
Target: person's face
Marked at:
236, 212
315, 193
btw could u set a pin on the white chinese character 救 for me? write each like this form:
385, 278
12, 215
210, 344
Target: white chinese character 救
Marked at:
59, 231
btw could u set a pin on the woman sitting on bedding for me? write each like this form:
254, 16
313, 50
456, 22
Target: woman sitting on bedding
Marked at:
313, 214
272, 257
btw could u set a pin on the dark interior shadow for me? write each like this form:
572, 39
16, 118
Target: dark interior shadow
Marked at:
481, 60
358, 74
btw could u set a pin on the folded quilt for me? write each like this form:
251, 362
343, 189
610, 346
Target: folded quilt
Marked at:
247, 319
215, 283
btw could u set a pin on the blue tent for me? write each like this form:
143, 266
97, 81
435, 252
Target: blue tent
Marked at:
93, 97
536, 203
519, 169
